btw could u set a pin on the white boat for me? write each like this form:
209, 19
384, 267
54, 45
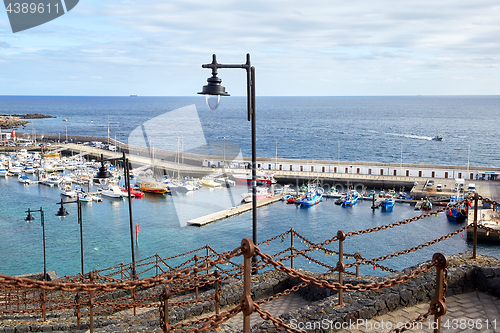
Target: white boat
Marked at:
67, 190
16, 169
51, 180
183, 186
23, 179
113, 191
262, 193
3, 171
225, 181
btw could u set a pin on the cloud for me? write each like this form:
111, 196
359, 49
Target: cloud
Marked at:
332, 43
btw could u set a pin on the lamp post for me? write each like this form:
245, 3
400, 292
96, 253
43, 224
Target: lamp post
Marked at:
30, 218
104, 174
214, 88
62, 213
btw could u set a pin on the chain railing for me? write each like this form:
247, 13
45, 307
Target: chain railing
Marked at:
86, 294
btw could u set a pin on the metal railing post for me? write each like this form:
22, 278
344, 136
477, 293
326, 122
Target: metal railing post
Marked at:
156, 256
474, 239
291, 247
206, 260
246, 298
217, 293
196, 273
357, 256
340, 264
77, 310
43, 299
439, 300
91, 303
164, 310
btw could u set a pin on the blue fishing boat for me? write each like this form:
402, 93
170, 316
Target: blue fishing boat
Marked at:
388, 203
350, 199
312, 197
459, 212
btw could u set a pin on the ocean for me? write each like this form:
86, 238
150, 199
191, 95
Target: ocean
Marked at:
378, 129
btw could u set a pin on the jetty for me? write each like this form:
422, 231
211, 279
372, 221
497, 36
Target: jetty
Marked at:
223, 214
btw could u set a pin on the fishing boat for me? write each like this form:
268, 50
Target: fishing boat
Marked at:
350, 199
427, 205
388, 203
312, 197
151, 187
460, 211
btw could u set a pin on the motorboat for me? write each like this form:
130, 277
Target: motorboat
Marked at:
113, 191
261, 193
67, 190
51, 179
133, 193
23, 179
3, 171
210, 183
152, 187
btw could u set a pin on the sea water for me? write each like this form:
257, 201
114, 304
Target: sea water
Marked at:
365, 129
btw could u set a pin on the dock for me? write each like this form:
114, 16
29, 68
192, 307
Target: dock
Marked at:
487, 217
233, 211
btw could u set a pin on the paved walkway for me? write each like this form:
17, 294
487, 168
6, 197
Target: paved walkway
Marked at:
471, 312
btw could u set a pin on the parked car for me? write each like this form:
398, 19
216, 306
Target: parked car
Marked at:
439, 187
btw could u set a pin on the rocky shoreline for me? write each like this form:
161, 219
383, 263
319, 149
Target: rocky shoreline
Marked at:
16, 120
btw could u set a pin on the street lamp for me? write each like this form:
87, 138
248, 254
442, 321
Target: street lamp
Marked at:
62, 213
104, 174
30, 218
214, 88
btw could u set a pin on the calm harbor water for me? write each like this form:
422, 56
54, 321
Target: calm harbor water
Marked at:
365, 128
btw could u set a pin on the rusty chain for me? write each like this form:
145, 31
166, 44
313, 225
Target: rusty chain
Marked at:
337, 286
278, 322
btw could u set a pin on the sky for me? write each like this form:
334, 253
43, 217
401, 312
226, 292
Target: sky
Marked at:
298, 48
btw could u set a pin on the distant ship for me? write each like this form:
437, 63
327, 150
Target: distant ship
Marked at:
133, 95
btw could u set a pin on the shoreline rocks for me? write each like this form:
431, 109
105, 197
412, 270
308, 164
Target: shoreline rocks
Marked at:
16, 120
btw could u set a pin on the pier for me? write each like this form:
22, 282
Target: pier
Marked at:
233, 211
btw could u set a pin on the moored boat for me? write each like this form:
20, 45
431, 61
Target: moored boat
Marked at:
262, 178
350, 199
261, 193
312, 197
388, 203
461, 209
427, 205
151, 187
210, 183
113, 191
134, 193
